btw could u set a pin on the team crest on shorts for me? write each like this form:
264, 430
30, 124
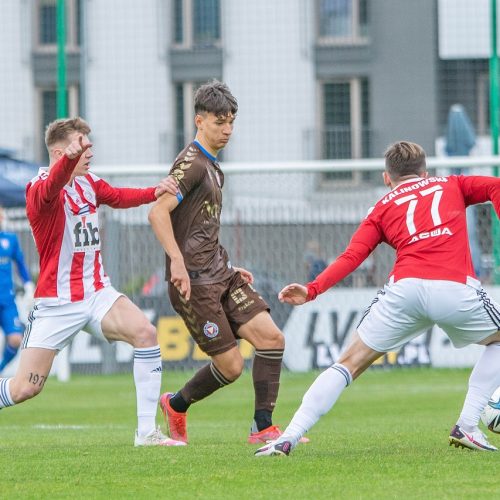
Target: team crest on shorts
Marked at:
210, 330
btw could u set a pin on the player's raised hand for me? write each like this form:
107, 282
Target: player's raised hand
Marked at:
167, 185
77, 147
294, 294
246, 275
180, 278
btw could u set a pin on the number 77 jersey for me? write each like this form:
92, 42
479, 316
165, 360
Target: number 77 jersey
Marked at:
424, 221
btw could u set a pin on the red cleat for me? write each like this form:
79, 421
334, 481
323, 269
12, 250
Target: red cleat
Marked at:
269, 434
176, 421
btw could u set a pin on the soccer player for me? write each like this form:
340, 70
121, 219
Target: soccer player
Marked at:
10, 251
73, 292
215, 299
432, 282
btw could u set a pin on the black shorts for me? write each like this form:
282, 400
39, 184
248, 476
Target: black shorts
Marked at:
215, 312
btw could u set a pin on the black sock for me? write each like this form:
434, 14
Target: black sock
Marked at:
178, 403
263, 419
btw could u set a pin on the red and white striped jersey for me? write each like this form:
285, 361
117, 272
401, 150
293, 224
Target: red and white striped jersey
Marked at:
424, 221
65, 227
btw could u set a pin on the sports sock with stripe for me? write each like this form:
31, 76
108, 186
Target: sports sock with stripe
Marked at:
318, 400
204, 382
266, 372
147, 377
484, 379
5, 397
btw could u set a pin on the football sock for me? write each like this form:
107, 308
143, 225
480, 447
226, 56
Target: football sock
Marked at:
5, 397
483, 381
262, 419
205, 381
266, 373
178, 403
9, 353
147, 377
318, 400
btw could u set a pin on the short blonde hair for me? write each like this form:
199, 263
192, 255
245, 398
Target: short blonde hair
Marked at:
60, 130
404, 158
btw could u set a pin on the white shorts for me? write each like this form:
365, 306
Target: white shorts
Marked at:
54, 326
403, 310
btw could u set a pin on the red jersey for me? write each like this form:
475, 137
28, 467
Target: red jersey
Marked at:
424, 221
65, 226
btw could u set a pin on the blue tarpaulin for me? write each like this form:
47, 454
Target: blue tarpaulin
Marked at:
14, 175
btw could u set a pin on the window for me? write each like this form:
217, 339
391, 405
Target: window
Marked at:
342, 21
196, 23
346, 119
46, 15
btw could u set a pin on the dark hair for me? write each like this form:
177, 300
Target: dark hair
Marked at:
404, 158
60, 130
215, 97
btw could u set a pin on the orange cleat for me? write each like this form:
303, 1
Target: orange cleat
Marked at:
176, 421
269, 434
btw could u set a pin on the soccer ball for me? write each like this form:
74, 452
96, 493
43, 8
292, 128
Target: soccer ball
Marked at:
491, 414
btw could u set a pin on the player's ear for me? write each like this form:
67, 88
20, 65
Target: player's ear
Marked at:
56, 153
198, 121
387, 179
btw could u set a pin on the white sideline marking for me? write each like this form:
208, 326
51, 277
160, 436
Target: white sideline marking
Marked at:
51, 427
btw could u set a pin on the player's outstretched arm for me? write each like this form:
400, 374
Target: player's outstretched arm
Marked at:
118, 197
161, 222
293, 294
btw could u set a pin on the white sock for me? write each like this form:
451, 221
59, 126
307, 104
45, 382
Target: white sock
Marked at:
5, 397
147, 377
483, 381
318, 400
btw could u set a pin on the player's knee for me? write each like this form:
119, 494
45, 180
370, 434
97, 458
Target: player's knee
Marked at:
272, 339
232, 368
277, 339
146, 335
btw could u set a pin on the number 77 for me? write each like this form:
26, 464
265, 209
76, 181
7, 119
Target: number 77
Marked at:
413, 200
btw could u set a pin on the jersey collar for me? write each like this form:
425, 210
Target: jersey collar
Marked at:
205, 152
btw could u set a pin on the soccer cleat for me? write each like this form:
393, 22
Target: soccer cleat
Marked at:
176, 421
473, 440
156, 438
275, 449
271, 433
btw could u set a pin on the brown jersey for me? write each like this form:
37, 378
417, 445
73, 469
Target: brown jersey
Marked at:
196, 220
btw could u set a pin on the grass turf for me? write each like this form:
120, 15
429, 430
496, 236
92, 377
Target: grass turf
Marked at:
385, 438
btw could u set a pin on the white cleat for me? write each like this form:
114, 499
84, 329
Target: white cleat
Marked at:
475, 440
275, 449
156, 438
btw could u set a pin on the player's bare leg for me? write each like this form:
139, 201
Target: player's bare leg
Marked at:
323, 394
30, 378
269, 343
484, 379
126, 322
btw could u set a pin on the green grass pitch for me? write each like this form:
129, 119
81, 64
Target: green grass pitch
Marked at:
387, 437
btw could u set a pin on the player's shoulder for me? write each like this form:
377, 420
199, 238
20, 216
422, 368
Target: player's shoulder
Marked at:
191, 159
43, 174
189, 155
